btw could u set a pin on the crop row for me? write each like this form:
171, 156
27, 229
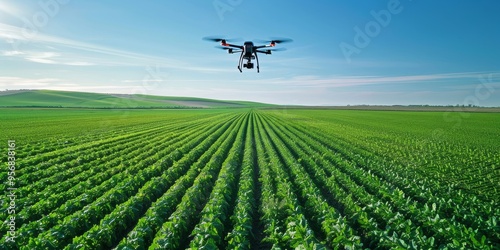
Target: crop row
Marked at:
422, 218
146, 178
73, 178
242, 180
110, 182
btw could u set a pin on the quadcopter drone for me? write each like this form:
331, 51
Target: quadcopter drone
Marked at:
248, 50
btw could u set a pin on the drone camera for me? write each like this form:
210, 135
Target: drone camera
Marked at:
248, 65
230, 51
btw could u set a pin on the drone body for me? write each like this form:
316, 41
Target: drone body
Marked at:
248, 51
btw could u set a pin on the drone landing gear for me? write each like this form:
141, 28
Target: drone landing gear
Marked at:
240, 62
257, 58
248, 64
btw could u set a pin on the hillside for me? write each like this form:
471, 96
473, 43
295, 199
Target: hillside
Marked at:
66, 99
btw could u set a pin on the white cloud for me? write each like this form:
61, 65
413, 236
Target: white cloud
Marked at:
15, 83
42, 57
10, 82
8, 8
12, 53
349, 81
13, 34
94, 54
46, 57
79, 63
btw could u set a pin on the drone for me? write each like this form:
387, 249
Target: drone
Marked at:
248, 50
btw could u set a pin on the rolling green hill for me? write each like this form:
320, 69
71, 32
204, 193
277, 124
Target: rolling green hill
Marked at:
66, 99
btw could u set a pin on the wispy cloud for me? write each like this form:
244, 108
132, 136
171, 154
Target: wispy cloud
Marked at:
8, 8
77, 53
17, 35
79, 64
349, 81
43, 57
11, 82
12, 53
46, 57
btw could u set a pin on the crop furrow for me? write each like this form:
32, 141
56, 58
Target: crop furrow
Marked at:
426, 215
434, 212
174, 232
244, 232
136, 166
102, 138
319, 206
102, 169
158, 201
298, 231
83, 220
308, 152
143, 233
45, 163
214, 222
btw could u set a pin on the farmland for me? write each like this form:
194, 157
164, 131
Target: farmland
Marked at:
249, 178
71, 99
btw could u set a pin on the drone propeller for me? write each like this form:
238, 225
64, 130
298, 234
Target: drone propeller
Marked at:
276, 40
229, 50
277, 49
223, 47
268, 51
218, 39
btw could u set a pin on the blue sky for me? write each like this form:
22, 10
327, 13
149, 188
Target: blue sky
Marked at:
344, 52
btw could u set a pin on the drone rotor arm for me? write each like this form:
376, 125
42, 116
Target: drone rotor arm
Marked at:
232, 46
263, 52
229, 49
274, 41
268, 51
262, 46
234, 51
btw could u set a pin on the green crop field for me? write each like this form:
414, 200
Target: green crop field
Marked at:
249, 179
68, 99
